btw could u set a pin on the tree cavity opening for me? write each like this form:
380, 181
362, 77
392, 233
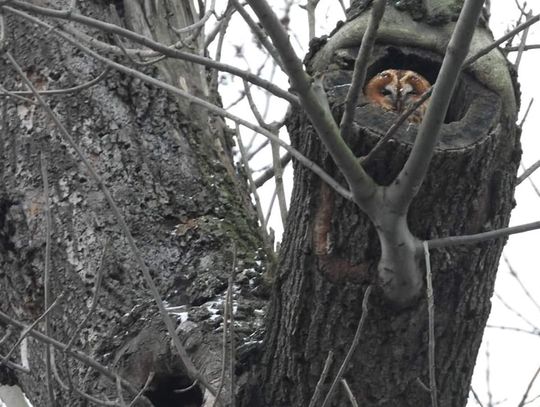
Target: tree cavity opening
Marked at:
174, 391
426, 64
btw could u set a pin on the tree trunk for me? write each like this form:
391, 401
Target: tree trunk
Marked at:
169, 168
330, 249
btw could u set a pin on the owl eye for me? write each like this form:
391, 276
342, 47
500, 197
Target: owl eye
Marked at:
385, 92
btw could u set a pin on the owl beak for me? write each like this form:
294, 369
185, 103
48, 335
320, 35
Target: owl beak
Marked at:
399, 104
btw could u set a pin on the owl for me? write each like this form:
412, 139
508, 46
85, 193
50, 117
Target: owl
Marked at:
396, 90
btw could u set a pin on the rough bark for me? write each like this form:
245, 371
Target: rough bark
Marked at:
169, 168
330, 249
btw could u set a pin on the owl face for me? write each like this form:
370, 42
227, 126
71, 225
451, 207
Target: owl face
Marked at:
396, 90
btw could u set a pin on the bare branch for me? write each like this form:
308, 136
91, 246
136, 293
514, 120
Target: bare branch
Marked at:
261, 36
408, 182
251, 182
522, 122
528, 389
28, 329
514, 311
232, 342
156, 46
315, 104
198, 25
6, 319
528, 172
211, 107
322, 378
488, 376
349, 393
535, 332
278, 170
354, 344
143, 389
52, 92
47, 276
74, 389
188, 365
521, 46
476, 398
269, 173
525, 48
481, 237
360, 66
431, 323
520, 283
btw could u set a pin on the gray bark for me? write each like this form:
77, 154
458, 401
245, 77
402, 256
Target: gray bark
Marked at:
169, 168
330, 249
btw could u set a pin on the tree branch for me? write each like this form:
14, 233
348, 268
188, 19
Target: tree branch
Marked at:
360, 67
156, 46
352, 348
315, 104
408, 182
214, 109
481, 237
188, 365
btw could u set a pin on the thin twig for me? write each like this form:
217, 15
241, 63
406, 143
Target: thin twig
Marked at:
71, 388
431, 330
514, 311
322, 378
514, 274
481, 237
121, 400
219, 47
212, 34
278, 170
488, 376
535, 331
143, 389
354, 344
29, 328
232, 352
521, 46
407, 184
522, 122
269, 173
52, 92
315, 103
360, 67
198, 24
186, 361
251, 182
211, 107
97, 287
525, 48
280, 190
6, 336
476, 398
260, 34
528, 172
349, 393
6, 93
47, 276
156, 46
528, 389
